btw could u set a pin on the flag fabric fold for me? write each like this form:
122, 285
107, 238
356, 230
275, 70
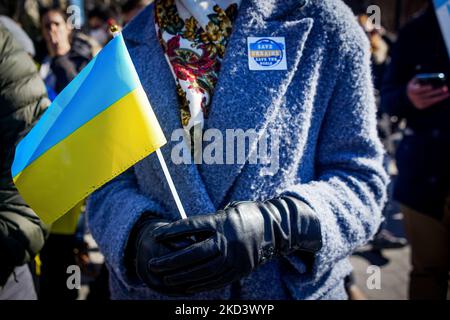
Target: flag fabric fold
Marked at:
100, 125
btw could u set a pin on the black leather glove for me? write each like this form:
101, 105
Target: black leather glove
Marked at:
233, 242
142, 247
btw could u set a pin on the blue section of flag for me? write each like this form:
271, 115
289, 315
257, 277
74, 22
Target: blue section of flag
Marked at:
77, 103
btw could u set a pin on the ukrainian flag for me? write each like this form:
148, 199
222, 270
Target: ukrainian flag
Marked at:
97, 127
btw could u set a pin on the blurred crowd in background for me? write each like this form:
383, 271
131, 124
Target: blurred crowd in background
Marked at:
413, 125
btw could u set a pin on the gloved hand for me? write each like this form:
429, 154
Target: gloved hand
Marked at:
142, 248
232, 243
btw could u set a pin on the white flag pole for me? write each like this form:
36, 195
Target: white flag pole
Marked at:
115, 32
171, 185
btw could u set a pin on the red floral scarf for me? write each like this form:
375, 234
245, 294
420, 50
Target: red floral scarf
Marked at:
194, 37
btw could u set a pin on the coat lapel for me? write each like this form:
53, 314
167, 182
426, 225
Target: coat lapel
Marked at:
157, 80
246, 99
204, 187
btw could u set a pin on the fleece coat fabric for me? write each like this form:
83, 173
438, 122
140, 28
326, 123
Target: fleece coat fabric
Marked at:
321, 111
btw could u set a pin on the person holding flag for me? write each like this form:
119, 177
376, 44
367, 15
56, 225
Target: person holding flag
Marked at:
298, 71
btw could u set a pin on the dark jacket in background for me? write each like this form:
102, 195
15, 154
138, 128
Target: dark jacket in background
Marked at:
22, 101
423, 157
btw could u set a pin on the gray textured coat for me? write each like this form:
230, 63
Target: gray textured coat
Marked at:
322, 108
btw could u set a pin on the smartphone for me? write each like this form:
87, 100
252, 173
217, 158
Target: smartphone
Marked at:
436, 80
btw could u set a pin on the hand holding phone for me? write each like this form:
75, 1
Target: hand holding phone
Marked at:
436, 80
427, 90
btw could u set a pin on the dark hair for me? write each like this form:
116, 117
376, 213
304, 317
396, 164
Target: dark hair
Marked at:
44, 11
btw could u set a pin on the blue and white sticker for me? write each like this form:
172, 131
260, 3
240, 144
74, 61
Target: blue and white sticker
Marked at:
266, 53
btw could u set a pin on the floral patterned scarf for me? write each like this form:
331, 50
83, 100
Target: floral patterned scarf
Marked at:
194, 35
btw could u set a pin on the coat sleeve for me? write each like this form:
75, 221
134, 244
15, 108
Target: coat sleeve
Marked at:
349, 190
112, 212
22, 101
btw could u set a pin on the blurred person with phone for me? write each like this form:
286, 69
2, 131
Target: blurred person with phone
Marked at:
416, 88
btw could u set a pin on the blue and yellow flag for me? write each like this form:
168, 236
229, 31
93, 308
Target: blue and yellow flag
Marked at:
97, 127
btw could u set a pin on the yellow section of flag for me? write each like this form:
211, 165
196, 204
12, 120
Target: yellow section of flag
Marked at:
104, 147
